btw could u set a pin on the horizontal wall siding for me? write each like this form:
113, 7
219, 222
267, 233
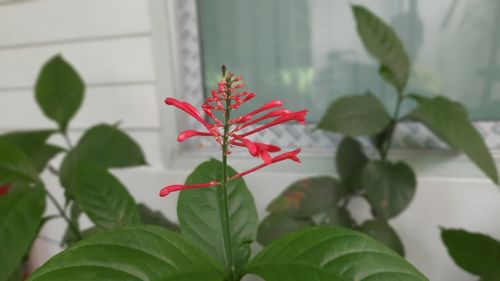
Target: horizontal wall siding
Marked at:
135, 106
41, 21
112, 60
108, 42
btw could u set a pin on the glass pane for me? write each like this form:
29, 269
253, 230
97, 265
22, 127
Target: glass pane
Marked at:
307, 52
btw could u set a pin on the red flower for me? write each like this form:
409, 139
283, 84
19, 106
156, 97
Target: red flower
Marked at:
4, 189
224, 99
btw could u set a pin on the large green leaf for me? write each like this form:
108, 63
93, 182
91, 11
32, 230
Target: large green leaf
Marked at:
151, 217
381, 231
200, 216
140, 253
103, 198
15, 165
449, 121
383, 43
105, 146
33, 144
21, 212
276, 226
476, 253
59, 91
307, 197
350, 161
331, 254
389, 187
357, 115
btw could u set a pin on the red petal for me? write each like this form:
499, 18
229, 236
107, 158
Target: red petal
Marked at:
177, 187
191, 133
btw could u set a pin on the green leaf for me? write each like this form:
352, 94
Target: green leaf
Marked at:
104, 146
140, 253
476, 253
33, 144
388, 187
350, 161
335, 216
151, 217
330, 254
59, 91
21, 212
382, 42
18, 274
449, 121
70, 238
15, 165
307, 197
200, 216
357, 115
381, 231
103, 198
276, 226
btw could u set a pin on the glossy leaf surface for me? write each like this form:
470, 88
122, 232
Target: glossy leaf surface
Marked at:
140, 253
356, 115
200, 216
331, 254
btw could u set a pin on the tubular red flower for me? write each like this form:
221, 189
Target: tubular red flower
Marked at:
267, 106
225, 99
298, 116
188, 108
291, 155
4, 189
177, 187
191, 133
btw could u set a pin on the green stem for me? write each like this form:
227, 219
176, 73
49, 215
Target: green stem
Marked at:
223, 194
67, 139
71, 224
394, 121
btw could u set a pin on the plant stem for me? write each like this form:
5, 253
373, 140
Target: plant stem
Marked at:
68, 141
223, 196
394, 121
71, 224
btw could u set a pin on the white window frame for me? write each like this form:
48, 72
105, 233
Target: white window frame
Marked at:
178, 69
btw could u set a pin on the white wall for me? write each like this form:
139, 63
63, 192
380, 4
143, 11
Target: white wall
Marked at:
110, 43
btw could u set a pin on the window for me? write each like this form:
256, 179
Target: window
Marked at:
307, 53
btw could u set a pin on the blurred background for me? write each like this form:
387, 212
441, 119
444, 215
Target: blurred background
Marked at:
133, 53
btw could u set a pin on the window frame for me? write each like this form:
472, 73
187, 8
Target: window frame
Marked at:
177, 55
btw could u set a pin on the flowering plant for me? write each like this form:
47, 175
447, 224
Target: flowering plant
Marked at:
218, 220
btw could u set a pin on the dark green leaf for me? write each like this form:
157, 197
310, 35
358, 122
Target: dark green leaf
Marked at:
276, 226
140, 253
21, 212
44, 155
389, 187
33, 144
357, 115
335, 216
59, 91
18, 274
330, 254
307, 197
350, 161
381, 231
449, 121
476, 253
383, 43
15, 165
103, 198
70, 238
151, 217
200, 215
104, 146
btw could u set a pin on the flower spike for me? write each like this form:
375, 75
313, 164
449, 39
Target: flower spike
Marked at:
227, 132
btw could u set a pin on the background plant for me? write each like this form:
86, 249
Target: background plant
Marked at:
88, 185
218, 221
387, 186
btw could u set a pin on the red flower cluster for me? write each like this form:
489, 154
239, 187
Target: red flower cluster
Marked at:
4, 188
226, 96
